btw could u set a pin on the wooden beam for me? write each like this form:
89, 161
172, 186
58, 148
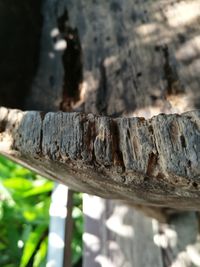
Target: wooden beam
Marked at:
154, 162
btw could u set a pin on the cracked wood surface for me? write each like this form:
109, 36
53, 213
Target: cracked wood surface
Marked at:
155, 161
140, 58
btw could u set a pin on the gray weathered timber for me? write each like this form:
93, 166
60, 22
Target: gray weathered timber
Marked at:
154, 161
140, 58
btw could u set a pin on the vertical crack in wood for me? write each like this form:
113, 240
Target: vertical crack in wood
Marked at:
72, 64
42, 116
154, 156
3, 120
3, 124
117, 153
89, 139
152, 163
174, 86
101, 100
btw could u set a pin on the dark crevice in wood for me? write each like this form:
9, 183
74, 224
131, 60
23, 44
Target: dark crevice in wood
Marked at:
101, 101
189, 163
62, 21
92, 130
42, 116
3, 126
152, 163
195, 185
183, 142
115, 7
170, 74
128, 133
117, 153
150, 128
20, 33
89, 138
72, 64
139, 74
181, 38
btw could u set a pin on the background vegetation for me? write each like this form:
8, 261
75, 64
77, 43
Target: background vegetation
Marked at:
24, 217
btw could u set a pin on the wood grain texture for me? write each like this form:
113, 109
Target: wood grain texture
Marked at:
152, 161
140, 58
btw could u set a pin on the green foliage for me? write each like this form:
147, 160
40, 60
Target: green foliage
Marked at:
24, 217
77, 216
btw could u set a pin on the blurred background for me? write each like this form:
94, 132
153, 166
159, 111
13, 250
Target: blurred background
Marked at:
25, 200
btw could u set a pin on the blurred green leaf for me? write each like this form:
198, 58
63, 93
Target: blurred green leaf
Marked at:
40, 256
77, 216
24, 217
31, 244
44, 188
8, 163
77, 251
18, 183
4, 170
27, 229
38, 213
20, 171
24, 210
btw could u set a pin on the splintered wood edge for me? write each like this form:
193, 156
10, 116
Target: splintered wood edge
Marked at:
153, 162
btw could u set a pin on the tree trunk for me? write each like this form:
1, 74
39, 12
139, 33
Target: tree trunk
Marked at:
122, 60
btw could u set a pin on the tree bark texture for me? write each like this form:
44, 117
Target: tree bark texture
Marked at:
123, 59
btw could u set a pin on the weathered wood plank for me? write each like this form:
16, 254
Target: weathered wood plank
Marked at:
137, 55
141, 58
152, 161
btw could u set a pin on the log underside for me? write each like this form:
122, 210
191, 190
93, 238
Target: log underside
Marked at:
152, 162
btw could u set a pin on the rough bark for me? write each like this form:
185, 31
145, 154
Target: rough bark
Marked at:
139, 58
153, 161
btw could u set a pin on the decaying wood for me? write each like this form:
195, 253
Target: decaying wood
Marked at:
140, 58
152, 161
